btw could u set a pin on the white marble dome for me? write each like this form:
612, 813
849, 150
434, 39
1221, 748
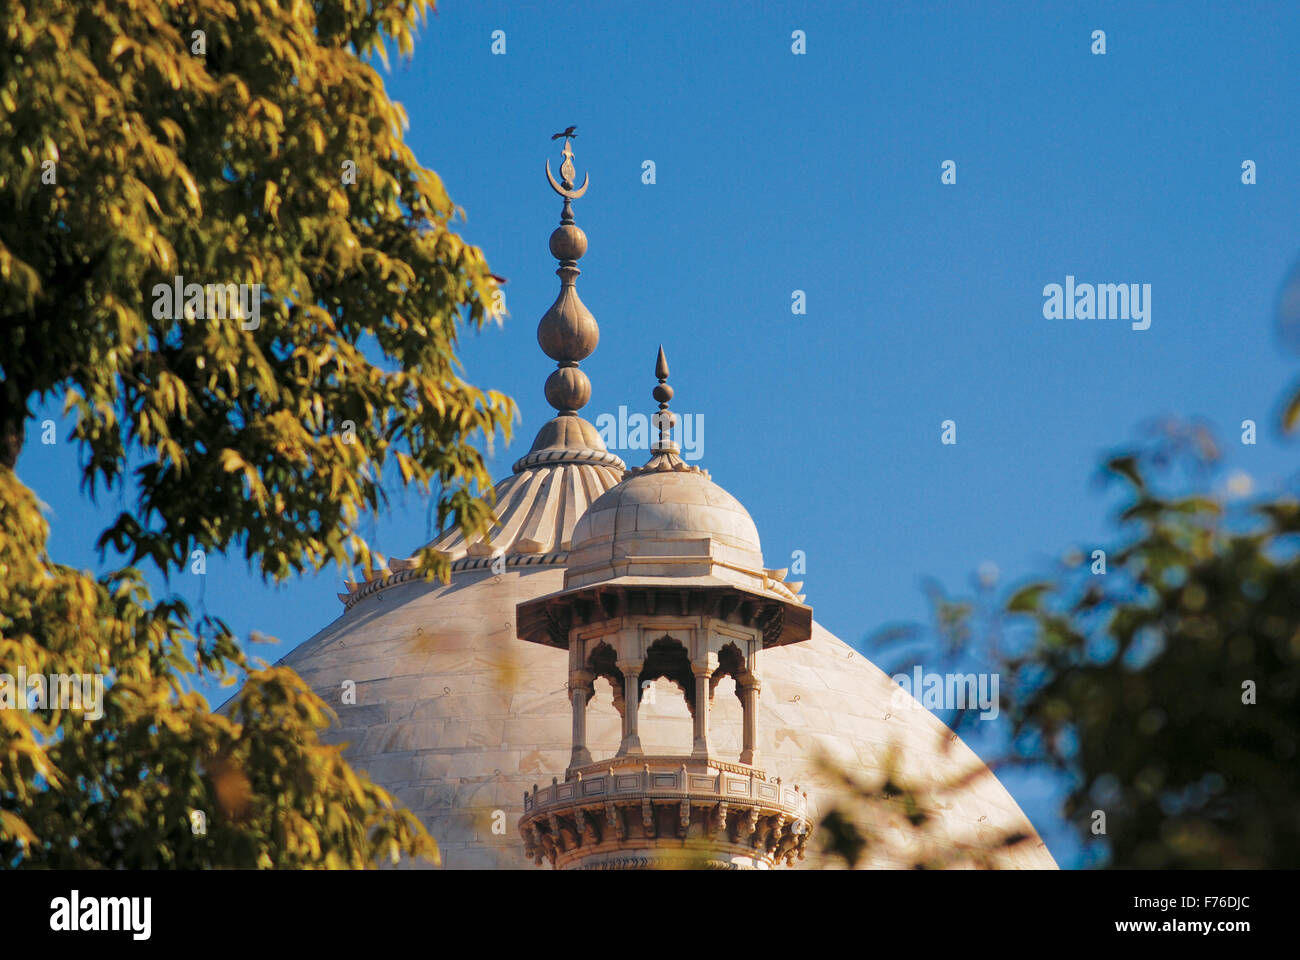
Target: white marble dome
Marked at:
458, 717
672, 505
669, 522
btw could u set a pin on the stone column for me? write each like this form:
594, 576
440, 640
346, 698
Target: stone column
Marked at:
702, 676
580, 690
631, 745
749, 704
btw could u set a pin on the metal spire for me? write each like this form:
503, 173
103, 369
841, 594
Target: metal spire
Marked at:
568, 333
665, 454
664, 418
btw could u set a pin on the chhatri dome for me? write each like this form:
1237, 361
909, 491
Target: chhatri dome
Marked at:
496, 706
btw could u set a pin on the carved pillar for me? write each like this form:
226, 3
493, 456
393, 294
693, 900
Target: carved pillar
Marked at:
749, 704
702, 676
631, 745
580, 690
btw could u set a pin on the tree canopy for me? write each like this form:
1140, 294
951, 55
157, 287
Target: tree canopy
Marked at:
1157, 678
1167, 688
249, 149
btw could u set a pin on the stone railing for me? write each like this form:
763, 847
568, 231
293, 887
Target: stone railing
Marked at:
666, 810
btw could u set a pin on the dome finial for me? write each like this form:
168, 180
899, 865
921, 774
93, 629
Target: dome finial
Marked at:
565, 187
568, 332
664, 418
665, 454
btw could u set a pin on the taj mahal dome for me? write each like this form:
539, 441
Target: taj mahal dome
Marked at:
613, 679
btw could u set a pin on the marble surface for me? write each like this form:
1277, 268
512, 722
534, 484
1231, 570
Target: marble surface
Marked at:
458, 718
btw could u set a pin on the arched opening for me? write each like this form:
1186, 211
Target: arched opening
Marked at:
604, 719
603, 662
726, 706
605, 709
664, 729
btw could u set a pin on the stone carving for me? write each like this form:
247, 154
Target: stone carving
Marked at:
771, 826
718, 821
614, 817
590, 830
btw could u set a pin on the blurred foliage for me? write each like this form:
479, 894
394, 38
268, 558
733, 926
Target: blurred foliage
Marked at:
1163, 692
144, 140
886, 818
1288, 332
1168, 689
894, 816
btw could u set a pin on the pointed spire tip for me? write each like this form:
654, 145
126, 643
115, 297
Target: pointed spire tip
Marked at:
661, 365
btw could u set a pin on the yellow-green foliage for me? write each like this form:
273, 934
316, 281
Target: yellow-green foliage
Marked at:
221, 163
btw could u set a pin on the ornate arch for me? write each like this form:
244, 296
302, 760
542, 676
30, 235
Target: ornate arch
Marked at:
667, 657
602, 661
731, 663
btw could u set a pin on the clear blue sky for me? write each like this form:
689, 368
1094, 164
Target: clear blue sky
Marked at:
821, 172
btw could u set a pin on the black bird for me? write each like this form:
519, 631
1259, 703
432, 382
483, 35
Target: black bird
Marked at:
569, 132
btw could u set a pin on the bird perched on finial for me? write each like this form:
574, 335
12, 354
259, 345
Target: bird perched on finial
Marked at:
568, 133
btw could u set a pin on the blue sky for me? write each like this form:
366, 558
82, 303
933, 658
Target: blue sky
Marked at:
778, 172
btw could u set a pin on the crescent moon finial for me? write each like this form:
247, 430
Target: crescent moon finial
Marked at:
567, 333
567, 194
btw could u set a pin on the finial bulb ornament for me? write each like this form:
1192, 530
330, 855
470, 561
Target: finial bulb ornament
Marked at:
568, 389
568, 242
567, 332
662, 394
